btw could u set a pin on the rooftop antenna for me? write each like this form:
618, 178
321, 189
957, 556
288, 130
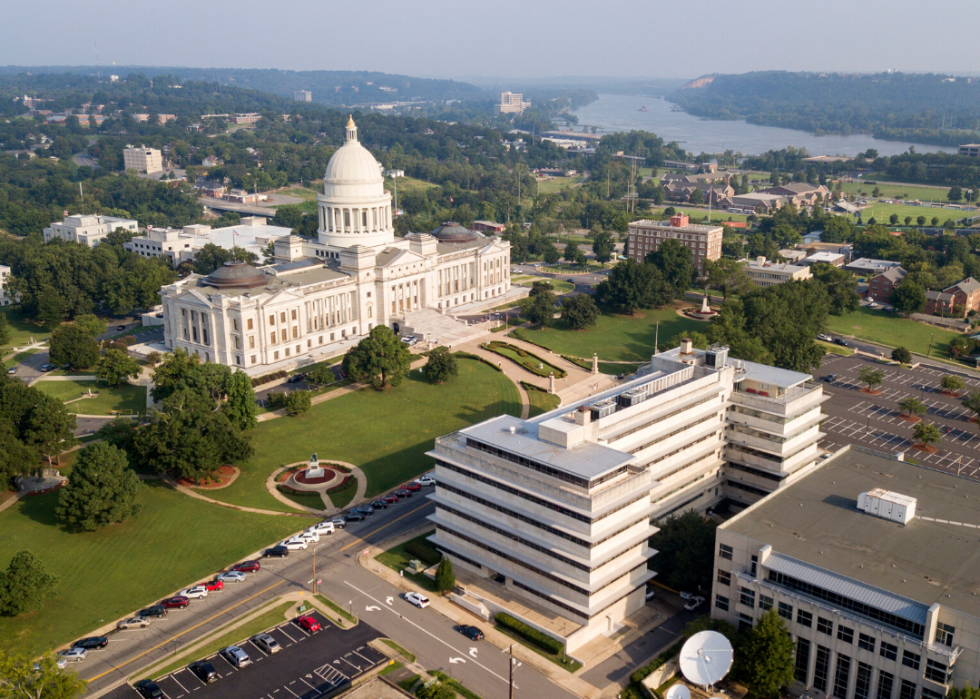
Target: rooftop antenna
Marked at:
98, 68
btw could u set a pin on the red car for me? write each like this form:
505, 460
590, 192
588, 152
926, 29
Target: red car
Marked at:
390, 499
177, 602
213, 585
247, 567
414, 487
308, 623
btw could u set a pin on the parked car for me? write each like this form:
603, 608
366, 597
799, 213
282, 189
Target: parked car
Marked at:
295, 544
693, 603
471, 632
149, 689
355, 516
62, 662
309, 536
196, 592
391, 498
247, 567
12, 370
403, 493
277, 551
840, 341
413, 487
872, 305
214, 585
339, 522
651, 593
120, 327
296, 378
830, 378
135, 622
825, 337
686, 595
379, 505
323, 527
74, 655
47, 367
308, 623
204, 670
232, 577
156, 610
366, 509
267, 643
426, 481
176, 602
236, 656
91, 642
417, 599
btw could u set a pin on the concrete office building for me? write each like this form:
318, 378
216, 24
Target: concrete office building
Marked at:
302, 95
87, 230
142, 159
512, 103
645, 236
765, 273
970, 149
871, 563
253, 234
559, 507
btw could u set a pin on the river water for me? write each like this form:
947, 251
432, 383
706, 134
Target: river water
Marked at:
696, 135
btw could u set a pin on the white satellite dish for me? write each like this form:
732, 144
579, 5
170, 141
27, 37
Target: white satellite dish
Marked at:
706, 658
678, 691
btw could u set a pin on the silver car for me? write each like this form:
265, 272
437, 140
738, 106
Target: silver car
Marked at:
136, 622
267, 643
236, 656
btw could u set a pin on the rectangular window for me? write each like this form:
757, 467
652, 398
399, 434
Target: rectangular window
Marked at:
862, 683
282, 333
287, 351
886, 681
234, 323
804, 618
911, 660
907, 691
721, 603
251, 341
821, 670
747, 597
930, 694
249, 323
802, 660
273, 337
765, 603
294, 314
725, 551
253, 359
295, 332
724, 577
842, 676
944, 635
936, 671
275, 355
744, 623
272, 319
866, 642
786, 611
845, 634
825, 626
888, 651
282, 317
238, 360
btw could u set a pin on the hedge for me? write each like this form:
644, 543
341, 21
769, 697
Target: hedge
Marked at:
639, 675
423, 551
259, 380
341, 486
532, 635
531, 387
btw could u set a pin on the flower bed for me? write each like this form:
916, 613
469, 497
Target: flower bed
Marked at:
340, 486
223, 477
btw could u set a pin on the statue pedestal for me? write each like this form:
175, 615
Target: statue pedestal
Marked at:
315, 472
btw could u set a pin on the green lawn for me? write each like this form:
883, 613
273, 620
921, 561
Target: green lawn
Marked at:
386, 433
556, 184
397, 558
125, 398
115, 571
559, 285
615, 337
541, 401
528, 360
882, 212
342, 498
891, 330
890, 191
21, 328
301, 192
305, 499
408, 183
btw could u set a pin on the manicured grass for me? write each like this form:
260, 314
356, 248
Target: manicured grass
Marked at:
836, 349
890, 191
115, 571
386, 433
568, 268
560, 286
882, 212
305, 499
272, 617
391, 667
535, 364
22, 329
892, 331
337, 610
406, 184
556, 184
541, 401
397, 558
124, 398
614, 337
398, 649
301, 192
21, 356
561, 661
342, 498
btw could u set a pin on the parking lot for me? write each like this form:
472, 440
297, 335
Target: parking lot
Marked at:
310, 665
874, 421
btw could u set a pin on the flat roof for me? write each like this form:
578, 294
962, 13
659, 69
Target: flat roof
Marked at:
934, 558
763, 373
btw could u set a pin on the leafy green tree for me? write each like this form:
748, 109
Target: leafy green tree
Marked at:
539, 309
22, 676
902, 355
926, 433
16, 457
442, 365
4, 329
115, 365
172, 373
320, 375
71, 345
676, 263
893, 219
93, 325
154, 358
727, 276
908, 220
972, 403
921, 220
240, 405
210, 257
381, 359
298, 402
871, 376
685, 547
964, 692
119, 432
912, 406
550, 253
908, 297
580, 312
25, 586
955, 193
603, 246
766, 657
696, 198
841, 287
102, 490
445, 577
436, 690
951, 384
571, 251
632, 285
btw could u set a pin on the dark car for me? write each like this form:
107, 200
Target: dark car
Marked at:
91, 642
570, 280
177, 602
356, 516
471, 632
155, 610
296, 378
47, 367
390, 499
379, 504
120, 327
277, 552
149, 689
204, 670
247, 567
364, 510
402, 493
414, 487
830, 378
840, 341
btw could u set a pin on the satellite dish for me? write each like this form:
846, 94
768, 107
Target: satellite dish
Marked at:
706, 658
678, 691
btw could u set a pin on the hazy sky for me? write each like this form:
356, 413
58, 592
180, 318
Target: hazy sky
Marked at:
508, 38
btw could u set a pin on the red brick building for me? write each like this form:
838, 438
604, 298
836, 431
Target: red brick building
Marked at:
646, 236
881, 285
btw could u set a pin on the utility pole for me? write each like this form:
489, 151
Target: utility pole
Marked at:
929, 351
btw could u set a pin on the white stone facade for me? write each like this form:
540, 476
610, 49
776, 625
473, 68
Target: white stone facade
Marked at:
87, 230
142, 159
5, 300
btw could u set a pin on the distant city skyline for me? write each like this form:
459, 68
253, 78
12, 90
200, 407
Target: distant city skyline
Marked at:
511, 39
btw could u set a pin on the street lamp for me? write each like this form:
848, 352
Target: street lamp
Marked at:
315, 549
394, 175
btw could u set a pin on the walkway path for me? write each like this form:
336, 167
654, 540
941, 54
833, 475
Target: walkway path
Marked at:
194, 494
328, 510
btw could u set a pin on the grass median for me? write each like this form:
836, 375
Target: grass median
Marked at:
892, 331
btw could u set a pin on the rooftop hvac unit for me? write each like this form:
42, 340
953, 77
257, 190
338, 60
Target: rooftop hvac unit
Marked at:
603, 409
888, 505
632, 397
716, 356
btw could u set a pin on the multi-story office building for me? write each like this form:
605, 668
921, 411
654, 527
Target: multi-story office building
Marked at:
302, 95
559, 507
5, 300
512, 103
765, 273
970, 149
870, 561
88, 230
253, 234
142, 159
645, 236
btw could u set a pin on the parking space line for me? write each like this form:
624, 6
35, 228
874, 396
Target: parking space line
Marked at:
282, 629
290, 691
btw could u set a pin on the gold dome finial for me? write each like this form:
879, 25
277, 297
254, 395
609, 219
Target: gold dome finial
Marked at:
350, 120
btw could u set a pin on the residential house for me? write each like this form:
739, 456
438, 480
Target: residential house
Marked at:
965, 293
679, 190
938, 303
881, 285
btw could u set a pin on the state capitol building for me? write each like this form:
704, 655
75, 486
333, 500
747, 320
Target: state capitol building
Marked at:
319, 295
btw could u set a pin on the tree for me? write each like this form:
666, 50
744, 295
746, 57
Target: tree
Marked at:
927, 433
841, 287
442, 365
727, 276
766, 657
445, 577
240, 405
93, 325
908, 297
571, 251
25, 586
951, 384
172, 373
320, 375
955, 193
580, 312
893, 219
912, 406
154, 358
632, 285
972, 403
921, 220
539, 309
902, 355
381, 359
115, 365
603, 246
676, 263
71, 345
696, 198
908, 220
436, 690
685, 547
871, 376
965, 692
103, 489
298, 402
550, 253
4, 329
23, 677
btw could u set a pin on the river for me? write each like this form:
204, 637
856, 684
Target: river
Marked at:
696, 135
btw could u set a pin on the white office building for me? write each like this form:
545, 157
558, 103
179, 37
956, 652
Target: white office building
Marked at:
252, 234
559, 508
87, 230
142, 159
5, 300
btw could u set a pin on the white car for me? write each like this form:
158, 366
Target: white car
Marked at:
323, 528
425, 480
75, 655
417, 599
310, 535
873, 305
232, 577
136, 622
825, 338
295, 544
196, 592
693, 603
651, 593
62, 663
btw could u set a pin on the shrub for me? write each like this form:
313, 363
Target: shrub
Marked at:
424, 551
640, 674
532, 635
130, 340
341, 486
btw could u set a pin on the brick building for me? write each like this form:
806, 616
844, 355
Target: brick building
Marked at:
645, 237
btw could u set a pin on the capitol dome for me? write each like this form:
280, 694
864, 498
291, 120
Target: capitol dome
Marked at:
354, 208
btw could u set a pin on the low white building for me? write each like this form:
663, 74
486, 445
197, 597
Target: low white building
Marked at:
5, 300
142, 159
88, 230
252, 234
765, 273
